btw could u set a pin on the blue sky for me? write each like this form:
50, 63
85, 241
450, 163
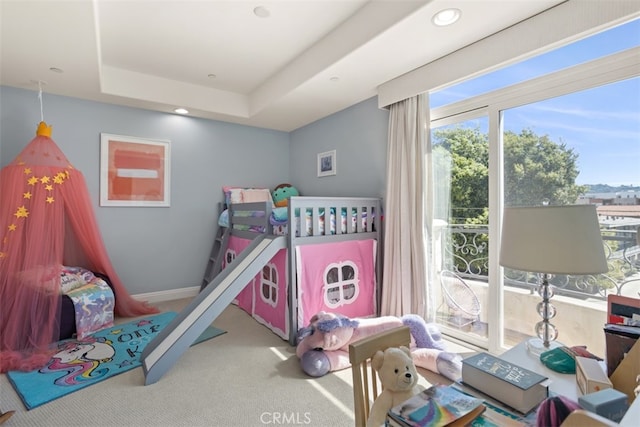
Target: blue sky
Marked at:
602, 124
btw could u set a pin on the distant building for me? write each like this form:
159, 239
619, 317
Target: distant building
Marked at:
615, 210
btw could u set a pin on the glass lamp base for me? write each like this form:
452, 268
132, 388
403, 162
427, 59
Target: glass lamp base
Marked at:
536, 346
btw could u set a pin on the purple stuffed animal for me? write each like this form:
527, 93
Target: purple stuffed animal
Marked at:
323, 346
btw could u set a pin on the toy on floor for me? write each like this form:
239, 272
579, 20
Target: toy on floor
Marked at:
323, 346
399, 380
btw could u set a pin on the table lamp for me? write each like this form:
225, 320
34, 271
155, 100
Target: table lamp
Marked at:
551, 240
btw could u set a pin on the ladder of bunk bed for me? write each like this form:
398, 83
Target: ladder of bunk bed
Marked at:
214, 265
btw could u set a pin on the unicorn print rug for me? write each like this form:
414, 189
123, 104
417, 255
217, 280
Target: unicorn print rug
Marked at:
81, 363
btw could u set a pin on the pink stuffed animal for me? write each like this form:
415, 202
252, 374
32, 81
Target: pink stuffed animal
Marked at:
323, 346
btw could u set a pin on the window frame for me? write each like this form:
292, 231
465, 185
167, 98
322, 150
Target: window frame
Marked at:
602, 71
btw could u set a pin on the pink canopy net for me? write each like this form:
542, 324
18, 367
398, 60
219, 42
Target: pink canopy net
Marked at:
46, 221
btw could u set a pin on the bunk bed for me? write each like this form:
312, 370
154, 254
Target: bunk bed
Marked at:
332, 259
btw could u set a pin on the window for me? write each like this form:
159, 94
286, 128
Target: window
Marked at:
567, 136
229, 256
602, 44
461, 199
269, 285
341, 284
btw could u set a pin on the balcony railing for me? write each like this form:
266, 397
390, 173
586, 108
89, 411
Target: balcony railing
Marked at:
465, 251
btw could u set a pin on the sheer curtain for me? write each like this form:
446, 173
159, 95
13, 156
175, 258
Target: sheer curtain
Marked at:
407, 207
44, 199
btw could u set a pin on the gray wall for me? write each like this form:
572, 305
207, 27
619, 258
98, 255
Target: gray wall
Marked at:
152, 249
359, 136
163, 249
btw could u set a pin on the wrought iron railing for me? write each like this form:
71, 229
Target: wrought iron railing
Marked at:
465, 251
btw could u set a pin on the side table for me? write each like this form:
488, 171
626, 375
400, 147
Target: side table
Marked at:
562, 384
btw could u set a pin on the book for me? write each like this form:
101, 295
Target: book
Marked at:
619, 340
623, 310
493, 418
508, 383
495, 415
437, 406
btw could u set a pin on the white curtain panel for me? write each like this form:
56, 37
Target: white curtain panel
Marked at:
404, 285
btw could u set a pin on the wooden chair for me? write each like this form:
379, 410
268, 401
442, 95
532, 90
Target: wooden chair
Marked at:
582, 418
365, 379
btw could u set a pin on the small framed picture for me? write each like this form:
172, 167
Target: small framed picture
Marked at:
327, 163
134, 171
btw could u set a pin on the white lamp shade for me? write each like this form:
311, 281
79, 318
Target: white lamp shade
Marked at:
553, 240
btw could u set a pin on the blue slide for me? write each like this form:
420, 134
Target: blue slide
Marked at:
165, 349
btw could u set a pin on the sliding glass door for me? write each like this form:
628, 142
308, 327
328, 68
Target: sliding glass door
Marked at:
580, 148
460, 173
570, 136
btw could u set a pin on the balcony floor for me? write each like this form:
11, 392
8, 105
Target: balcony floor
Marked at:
479, 328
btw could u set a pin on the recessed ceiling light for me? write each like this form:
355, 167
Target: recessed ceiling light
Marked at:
181, 111
446, 17
261, 12
56, 70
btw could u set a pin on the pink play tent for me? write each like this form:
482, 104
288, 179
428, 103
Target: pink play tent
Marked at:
46, 221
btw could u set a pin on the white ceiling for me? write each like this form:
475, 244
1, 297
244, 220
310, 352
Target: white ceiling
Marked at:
307, 60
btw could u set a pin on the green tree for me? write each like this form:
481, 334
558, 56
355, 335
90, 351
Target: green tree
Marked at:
468, 151
538, 169
535, 169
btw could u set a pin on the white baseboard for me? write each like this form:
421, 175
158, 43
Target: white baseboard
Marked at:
155, 297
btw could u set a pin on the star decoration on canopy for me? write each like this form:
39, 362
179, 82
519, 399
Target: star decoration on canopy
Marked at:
59, 178
22, 212
45, 174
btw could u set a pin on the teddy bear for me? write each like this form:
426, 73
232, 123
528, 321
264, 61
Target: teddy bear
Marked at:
399, 379
323, 346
